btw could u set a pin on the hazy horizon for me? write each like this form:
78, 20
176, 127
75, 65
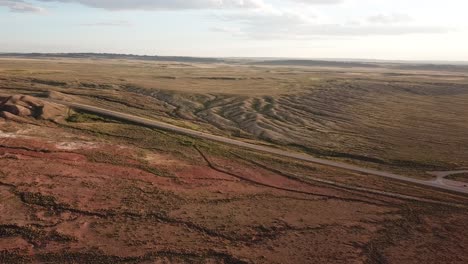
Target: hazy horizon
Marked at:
453, 62
300, 29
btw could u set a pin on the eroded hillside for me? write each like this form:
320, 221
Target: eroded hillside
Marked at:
90, 189
403, 121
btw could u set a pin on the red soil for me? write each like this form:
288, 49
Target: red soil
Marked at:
83, 206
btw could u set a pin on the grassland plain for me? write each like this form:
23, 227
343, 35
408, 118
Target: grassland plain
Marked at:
403, 120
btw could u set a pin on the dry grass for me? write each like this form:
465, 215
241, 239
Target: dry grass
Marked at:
463, 177
115, 203
403, 121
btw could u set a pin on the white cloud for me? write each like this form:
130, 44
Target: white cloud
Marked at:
281, 25
259, 19
319, 2
20, 6
165, 4
24, 6
389, 19
110, 23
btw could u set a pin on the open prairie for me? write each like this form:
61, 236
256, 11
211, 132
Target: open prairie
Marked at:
77, 187
394, 117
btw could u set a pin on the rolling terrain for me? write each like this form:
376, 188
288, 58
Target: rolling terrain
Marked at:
402, 121
80, 187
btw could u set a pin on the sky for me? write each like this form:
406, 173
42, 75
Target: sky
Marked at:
360, 29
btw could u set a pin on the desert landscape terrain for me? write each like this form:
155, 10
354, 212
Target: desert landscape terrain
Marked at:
80, 186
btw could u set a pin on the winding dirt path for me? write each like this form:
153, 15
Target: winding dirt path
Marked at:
298, 156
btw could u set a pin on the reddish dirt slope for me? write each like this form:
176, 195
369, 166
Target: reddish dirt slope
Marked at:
87, 201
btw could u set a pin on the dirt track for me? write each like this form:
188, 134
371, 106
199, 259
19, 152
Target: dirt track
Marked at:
298, 156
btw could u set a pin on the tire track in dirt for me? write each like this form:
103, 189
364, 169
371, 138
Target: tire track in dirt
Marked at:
210, 164
297, 156
340, 186
258, 196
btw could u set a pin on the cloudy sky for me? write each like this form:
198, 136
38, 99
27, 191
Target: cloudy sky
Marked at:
370, 29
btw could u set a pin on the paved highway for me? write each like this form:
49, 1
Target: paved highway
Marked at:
283, 153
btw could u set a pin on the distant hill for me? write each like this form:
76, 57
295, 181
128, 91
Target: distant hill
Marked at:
364, 64
320, 63
434, 67
111, 56
422, 66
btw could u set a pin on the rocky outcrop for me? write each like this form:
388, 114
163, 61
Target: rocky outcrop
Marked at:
28, 106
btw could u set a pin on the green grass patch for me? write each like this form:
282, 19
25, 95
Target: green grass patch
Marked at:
82, 117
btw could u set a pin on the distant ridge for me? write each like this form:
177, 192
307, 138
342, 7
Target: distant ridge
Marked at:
351, 63
364, 64
323, 63
111, 56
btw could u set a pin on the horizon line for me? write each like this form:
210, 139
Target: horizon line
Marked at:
337, 59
